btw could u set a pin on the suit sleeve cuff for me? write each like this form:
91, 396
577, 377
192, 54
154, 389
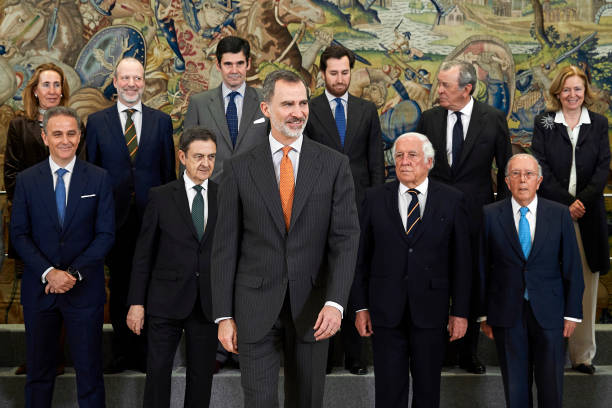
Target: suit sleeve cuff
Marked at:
573, 319
337, 306
222, 318
43, 277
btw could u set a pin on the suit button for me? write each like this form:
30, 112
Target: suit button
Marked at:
410, 250
197, 274
405, 277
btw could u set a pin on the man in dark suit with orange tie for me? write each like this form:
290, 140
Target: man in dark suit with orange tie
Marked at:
414, 258
351, 126
171, 275
62, 226
134, 144
531, 286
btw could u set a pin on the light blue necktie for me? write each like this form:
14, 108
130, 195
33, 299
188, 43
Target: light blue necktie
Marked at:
524, 234
231, 114
340, 120
60, 195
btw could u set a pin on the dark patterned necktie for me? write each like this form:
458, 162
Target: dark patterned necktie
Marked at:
197, 211
130, 134
231, 115
414, 212
457, 140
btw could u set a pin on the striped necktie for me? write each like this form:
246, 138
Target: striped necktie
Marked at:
414, 212
286, 185
130, 134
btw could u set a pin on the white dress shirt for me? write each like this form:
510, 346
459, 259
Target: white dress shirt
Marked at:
531, 219
67, 177
238, 99
573, 136
332, 103
191, 193
404, 198
136, 117
451, 119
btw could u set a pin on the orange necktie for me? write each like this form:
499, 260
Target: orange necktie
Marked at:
286, 185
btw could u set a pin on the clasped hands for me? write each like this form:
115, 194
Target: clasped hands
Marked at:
59, 281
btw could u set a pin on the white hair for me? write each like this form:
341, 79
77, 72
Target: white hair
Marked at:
428, 150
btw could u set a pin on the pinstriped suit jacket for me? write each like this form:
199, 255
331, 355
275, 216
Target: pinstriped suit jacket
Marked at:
255, 260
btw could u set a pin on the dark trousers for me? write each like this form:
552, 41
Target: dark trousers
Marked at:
351, 342
200, 344
527, 350
404, 350
304, 367
127, 347
84, 334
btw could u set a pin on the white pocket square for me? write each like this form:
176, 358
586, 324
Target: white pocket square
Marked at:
260, 120
88, 195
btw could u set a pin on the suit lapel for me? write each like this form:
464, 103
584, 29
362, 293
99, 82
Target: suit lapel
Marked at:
182, 204
506, 220
212, 211
264, 179
308, 174
78, 181
474, 128
321, 109
250, 106
353, 120
438, 139
45, 187
583, 133
430, 209
114, 124
543, 223
146, 130
216, 107
391, 200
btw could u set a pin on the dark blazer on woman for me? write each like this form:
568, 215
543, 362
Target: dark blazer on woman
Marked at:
553, 149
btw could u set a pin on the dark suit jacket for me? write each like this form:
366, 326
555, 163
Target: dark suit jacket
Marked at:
82, 243
362, 142
552, 273
171, 266
487, 139
553, 149
422, 272
207, 109
257, 260
154, 163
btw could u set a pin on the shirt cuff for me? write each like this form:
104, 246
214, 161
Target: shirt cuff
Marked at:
573, 319
222, 318
361, 310
481, 319
43, 277
337, 306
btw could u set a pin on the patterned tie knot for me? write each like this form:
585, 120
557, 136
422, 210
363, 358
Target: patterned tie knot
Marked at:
524, 211
233, 94
198, 188
458, 113
286, 150
338, 100
413, 191
130, 112
60, 172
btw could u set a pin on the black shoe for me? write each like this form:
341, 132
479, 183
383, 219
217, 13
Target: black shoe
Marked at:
357, 369
473, 365
116, 366
585, 368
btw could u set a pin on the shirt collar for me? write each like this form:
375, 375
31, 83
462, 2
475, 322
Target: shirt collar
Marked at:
584, 117
331, 97
121, 107
533, 205
422, 188
189, 183
55, 166
226, 91
466, 110
275, 145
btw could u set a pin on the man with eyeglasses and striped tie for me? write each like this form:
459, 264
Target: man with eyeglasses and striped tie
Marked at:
134, 143
414, 258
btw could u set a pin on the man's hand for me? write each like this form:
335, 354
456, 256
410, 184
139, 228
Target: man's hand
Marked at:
135, 318
228, 335
486, 329
568, 327
59, 281
328, 323
456, 327
363, 323
577, 210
